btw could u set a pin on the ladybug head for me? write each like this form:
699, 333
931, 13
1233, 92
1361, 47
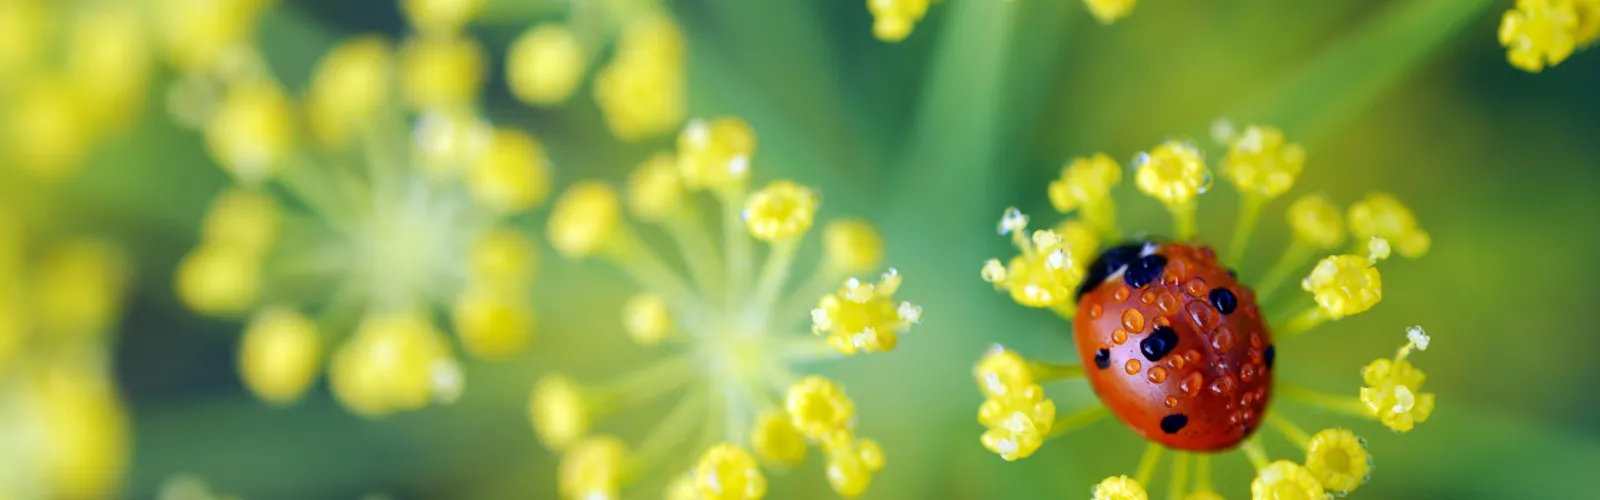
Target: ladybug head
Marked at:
1117, 259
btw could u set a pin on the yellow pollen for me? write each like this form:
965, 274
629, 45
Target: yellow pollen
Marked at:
1539, 33
1261, 163
1119, 488
1017, 422
727, 472
776, 440
1339, 460
1345, 285
1001, 372
817, 407
781, 211
716, 154
1173, 173
1392, 390
1285, 480
1382, 215
863, 317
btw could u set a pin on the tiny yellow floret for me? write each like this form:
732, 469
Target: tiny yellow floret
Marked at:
1109, 11
1285, 480
1119, 488
1345, 285
852, 246
451, 141
1001, 372
492, 323
817, 407
781, 211
1315, 220
202, 36
646, 319
252, 132
504, 259
1539, 33
440, 16
545, 65
1393, 387
441, 72
1261, 163
1384, 216
1017, 422
892, 20
1339, 459
279, 355
78, 289
219, 281
776, 440
727, 472
1173, 173
584, 219
863, 317
48, 132
513, 174
1085, 187
247, 220
654, 190
558, 411
393, 362
349, 87
851, 465
592, 469
642, 92
1046, 271
108, 54
716, 153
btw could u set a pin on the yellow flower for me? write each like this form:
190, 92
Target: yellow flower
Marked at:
242, 219
443, 71
493, 324
776, 440
1047, 270
1346, 285
393, 363
252, 131
24, 31
79, 289
1261, 163
110, 59
654, 190
451, 141
440, 16
545, 65
642, 92
1382, 215
504, 259
1539, 33
81, 428
863, 317
1285, 480
852, 246
593, 469
1001, 372
1393, 387
892, 20
1119, 488
781, 211
851, 466
1109, 11
1314, 220
202, 35
558, 411
584, 219
716, 154
48, 130
647, 319
1085, 187
1017, 422
818, 407
727, 472
279, 355
1339, 460
1174, 173
349, 86
514, 174
219, 280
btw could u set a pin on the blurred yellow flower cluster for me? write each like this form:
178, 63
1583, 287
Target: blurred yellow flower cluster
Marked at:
1262, 166
363, 210
642, 91
739, 400
1542, 33
893, 20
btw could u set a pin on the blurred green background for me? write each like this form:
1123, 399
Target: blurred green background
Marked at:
930, 139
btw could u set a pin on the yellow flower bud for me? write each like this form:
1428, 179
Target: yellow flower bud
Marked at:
852, 246
817, 407
47, 129
83, 430
1539, 33
1588, 29
1285, 480
440, 16
1314, 220
80, 288
642, 93
279, 355
1017, 422
1382, 215
654, 191
1261, 163
893, 19
851, 465
584, 219
218, 280
1119, 488
647, 320
1002, 371
243, 219
395, 362
716, 154
727, 472
350, 85
863, 317
1339, 460
441, 72
493, 324
593, 469
503, 259
781, 211
1173, 173
545, 65
557, 409
777, 441
201, 35
513, 175
252, 132
1345, 285
451, 141
1085, 181
110, 60
1393, 387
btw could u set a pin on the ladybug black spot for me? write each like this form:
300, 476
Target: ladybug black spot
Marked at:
1173, 423
1224, 300
1108, 263
1233, 274
1102, 359
1144, 270
1272, 352
1161, 341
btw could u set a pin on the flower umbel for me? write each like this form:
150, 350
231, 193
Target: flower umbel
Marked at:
736, 378
1542, 33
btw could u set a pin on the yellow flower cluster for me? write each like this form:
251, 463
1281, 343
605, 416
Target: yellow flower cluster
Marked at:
1262, 165
73, 74
737, 380
348, 235
1109, 11
1542, 33
892, 20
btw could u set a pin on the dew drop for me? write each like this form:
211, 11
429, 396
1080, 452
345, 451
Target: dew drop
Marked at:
1157, 375
1132, 366
1133, 321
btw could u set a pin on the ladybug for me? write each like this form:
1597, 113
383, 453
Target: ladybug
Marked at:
1174, 345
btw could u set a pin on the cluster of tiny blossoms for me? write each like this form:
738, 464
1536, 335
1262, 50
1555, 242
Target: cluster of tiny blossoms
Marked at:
893, 20
395, 202
73, 74
642, 91
1541, 33
1262, 166
733, 374
64, 432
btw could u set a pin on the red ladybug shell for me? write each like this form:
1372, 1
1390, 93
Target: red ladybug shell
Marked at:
1174, 345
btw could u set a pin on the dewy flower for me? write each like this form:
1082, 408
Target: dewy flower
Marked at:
343, 242
741, 402
1176, 346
